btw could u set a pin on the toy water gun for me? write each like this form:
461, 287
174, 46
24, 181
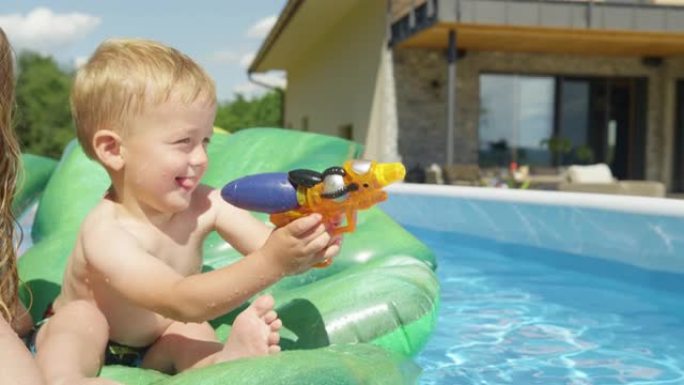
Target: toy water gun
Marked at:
337, 193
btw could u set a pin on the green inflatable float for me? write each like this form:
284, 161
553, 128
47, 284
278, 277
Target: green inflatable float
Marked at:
356, 322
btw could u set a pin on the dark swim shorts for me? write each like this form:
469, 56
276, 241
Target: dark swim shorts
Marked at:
115, 354
119, 354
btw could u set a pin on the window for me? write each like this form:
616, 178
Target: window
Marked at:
575, 119
516, 119
562, 120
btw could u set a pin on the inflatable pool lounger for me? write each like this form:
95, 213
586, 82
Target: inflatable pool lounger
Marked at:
356, 322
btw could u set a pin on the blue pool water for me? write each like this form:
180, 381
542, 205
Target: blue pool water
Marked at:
525, 316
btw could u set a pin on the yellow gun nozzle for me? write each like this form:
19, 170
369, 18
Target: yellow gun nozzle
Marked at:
388, 173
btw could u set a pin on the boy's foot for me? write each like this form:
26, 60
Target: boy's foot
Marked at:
254, 332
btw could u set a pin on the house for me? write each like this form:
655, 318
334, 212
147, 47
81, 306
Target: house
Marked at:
489, 82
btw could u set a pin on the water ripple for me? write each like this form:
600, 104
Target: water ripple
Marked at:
509, 320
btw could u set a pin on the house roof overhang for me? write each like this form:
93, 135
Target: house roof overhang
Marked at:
560, 27
300, 25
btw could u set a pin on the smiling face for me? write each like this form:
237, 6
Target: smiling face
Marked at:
165, 155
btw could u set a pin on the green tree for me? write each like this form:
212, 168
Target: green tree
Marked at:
264, 111
44, 124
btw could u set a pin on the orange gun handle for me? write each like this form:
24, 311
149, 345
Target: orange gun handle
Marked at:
331, 223
282, 219
351, 225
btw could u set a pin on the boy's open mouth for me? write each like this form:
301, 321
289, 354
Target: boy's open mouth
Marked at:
187, 183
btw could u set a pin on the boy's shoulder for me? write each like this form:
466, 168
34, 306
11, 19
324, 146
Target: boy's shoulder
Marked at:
103, 214
100, 221
101, 231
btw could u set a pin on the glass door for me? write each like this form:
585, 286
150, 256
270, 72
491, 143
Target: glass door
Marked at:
564, 120
602, 120
678, 166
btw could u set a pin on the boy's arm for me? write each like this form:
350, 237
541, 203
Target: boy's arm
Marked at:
120, 261
237, 226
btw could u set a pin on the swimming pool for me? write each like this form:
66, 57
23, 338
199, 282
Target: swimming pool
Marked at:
549, 288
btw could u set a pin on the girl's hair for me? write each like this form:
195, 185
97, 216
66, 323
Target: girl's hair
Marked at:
9, 167
125, 76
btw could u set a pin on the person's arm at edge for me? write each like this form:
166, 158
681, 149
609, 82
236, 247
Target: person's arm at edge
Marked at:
22, 322
16, 364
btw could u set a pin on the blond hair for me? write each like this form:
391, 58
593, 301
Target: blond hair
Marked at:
123, 77
9, 168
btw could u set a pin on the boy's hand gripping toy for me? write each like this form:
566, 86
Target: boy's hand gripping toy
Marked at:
336, 193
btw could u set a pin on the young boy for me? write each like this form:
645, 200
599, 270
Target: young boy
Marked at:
133, 282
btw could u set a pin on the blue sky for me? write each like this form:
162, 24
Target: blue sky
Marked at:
222, 36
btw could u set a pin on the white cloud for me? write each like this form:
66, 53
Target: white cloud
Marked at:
276, 79
232, 57
80, 61
261, 28
248, 89
251, 89
225, 57
246, 59
44, 31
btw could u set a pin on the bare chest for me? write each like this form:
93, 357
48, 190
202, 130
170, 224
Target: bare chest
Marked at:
181, 253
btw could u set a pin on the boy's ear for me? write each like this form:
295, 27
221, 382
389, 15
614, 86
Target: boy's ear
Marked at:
107, 145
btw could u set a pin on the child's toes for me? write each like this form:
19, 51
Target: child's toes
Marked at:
263, 305
270, 316
273, 338
276, 325
273, 349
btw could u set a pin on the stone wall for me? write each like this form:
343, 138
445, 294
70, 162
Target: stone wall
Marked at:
421, 99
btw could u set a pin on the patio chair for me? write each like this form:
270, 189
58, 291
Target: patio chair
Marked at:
599, 179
